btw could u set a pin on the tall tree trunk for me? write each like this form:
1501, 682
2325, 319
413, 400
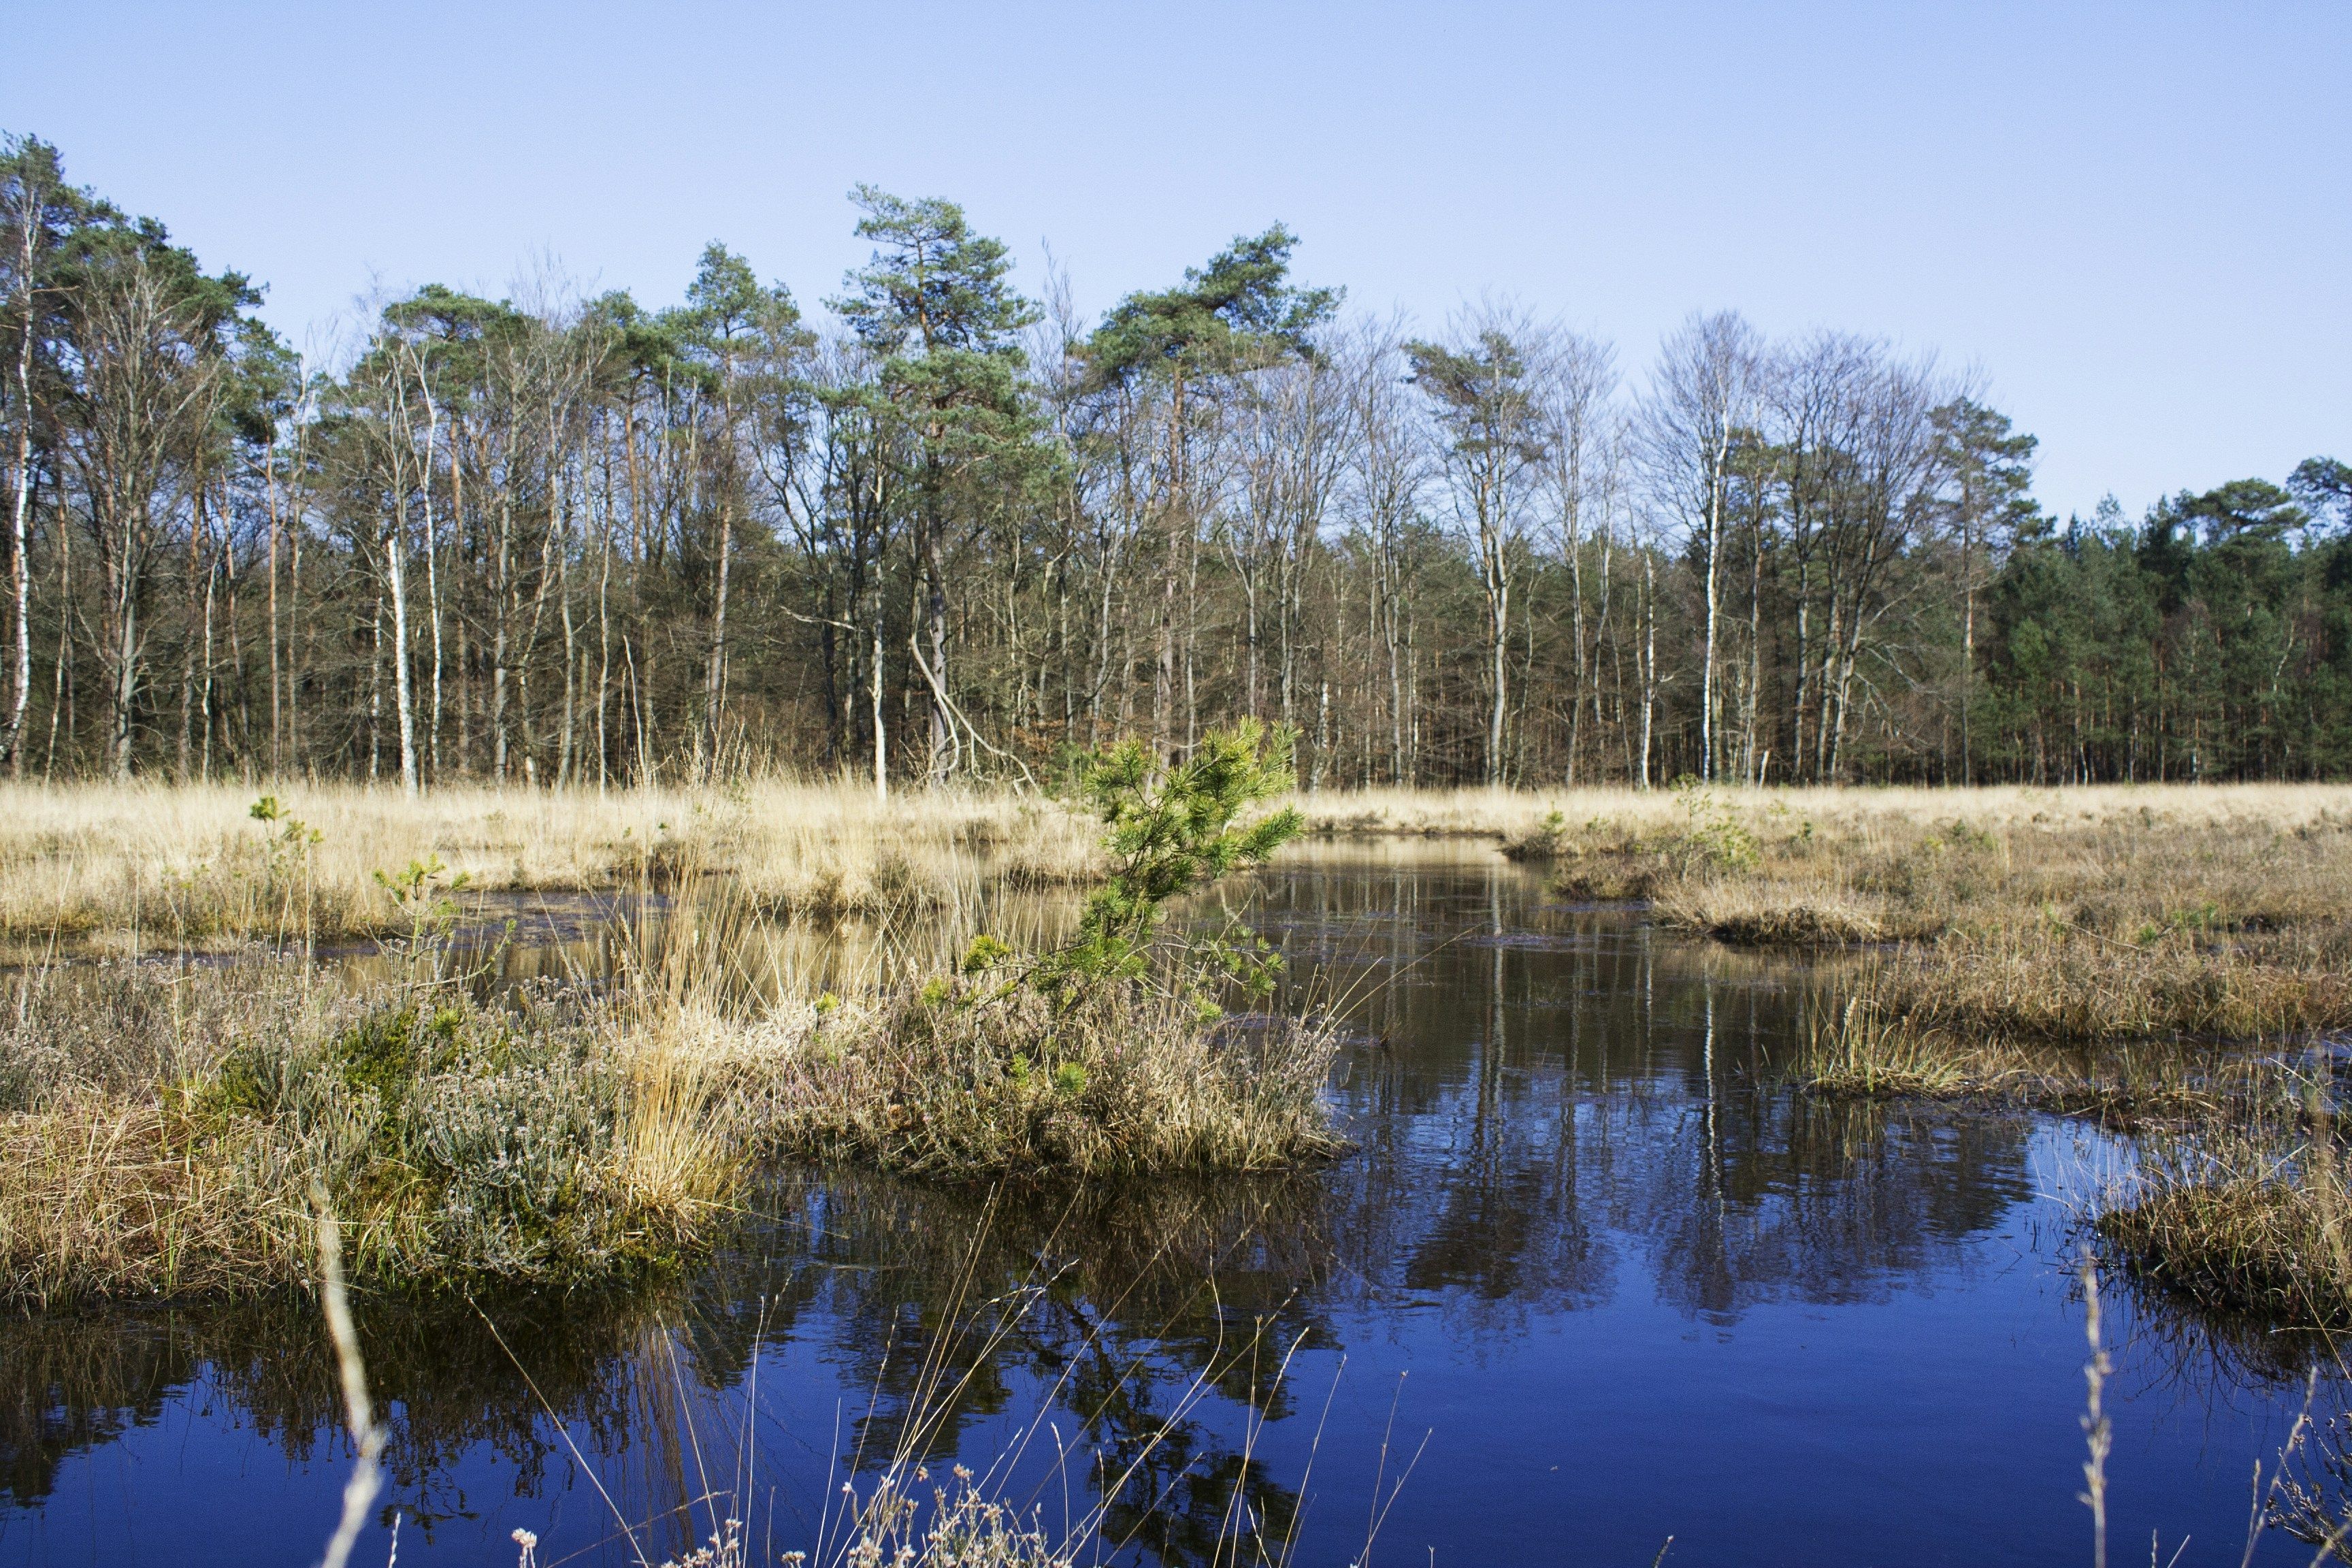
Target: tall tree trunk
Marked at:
604, 625
20, 686
204, 681
1713, 603
503, 609
572, 656
277, 725
375, 691
1649, 658
1967, 632
60, 687
1751, 708
1576, 639
881, 726
122, 596
433, 570
946, 750
714, 677
404, 691
295, 668
191, 590
1497, 583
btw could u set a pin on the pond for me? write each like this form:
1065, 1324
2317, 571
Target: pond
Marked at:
1593, 1279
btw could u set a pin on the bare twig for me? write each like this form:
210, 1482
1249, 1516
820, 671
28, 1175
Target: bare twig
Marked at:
359, 1413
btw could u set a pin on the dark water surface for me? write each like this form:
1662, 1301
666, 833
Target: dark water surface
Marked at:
1590, 1280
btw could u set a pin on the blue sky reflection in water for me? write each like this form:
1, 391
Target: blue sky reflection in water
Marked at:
1626, 1286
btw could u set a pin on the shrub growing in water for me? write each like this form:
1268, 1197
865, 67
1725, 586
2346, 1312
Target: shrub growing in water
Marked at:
1170, 831
1107, 1055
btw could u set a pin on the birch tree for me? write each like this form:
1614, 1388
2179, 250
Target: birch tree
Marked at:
1701, 396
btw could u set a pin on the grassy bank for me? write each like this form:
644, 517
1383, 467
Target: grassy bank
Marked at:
2239, 1195
1852, 1049
159, 1127
150, 864
2250, 1215
136, 867
2095, 914
2130, 864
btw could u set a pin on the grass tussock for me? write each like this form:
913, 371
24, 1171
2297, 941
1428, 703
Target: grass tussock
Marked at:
2249, 1213
1857, 1052
461, 1140
2240, 1200
970, 1081
2064, 983
1853, 1047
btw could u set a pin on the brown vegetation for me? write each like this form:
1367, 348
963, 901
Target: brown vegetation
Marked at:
2249, 1211
159, 1127
131, 866
2240, 1199
2111, 953
1852, 1049
2091, 915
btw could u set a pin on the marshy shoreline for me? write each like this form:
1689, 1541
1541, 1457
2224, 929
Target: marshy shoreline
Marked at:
170, 1131
2128, 954
2175, 963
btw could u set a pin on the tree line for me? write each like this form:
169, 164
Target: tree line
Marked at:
947, 530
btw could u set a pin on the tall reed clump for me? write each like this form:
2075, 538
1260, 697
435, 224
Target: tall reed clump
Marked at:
2050, 982
1851, 1048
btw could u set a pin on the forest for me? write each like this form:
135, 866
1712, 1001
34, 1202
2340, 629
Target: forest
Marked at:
939, 530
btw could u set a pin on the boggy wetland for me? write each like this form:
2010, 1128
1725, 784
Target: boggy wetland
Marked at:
1590, 1171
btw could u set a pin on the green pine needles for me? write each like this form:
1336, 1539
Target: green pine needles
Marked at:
1170, 831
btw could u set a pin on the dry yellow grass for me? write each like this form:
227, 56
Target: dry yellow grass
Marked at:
166, 1139
2129, 865
127, 867
2103, 952
2087, 914
1854, 1048
2065, 983
1854, 814
103, 1190
2247, 1210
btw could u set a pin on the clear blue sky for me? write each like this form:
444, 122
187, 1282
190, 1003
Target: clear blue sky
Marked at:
2136, 219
